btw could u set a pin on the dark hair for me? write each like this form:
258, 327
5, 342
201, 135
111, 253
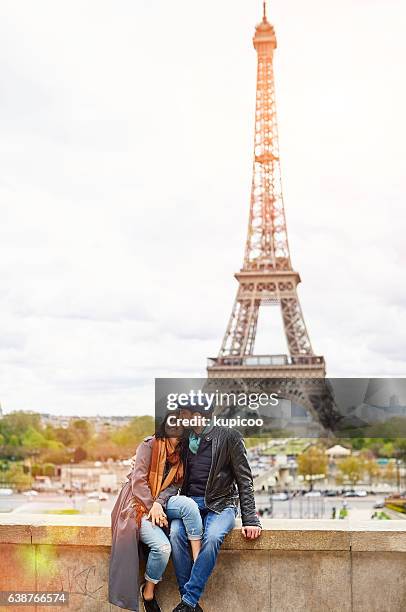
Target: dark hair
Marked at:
160, 426
160, 431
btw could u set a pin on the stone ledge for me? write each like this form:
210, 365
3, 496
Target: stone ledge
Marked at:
278, 535
295, 566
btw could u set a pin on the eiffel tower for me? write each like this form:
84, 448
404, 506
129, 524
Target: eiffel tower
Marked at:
267, 276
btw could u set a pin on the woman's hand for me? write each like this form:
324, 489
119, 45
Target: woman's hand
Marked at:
157, 515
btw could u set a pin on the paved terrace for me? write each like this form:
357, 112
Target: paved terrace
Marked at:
296, 565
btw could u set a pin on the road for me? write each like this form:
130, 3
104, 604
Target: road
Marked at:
53, 501
297, 507
359, 508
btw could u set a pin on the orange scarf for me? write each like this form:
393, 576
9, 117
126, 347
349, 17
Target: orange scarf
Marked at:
163, 450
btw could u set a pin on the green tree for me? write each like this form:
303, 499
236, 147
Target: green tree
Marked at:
13, 440
351, 468
82, 431
390, 472
37, 470
312, 462
15, 477
49, 469
386, 449
33, 439
389, 430
372, 469
127, 438
57, 456
18, 422
64, 435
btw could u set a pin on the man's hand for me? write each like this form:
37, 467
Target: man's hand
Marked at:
251, 533
132, 459
157, 515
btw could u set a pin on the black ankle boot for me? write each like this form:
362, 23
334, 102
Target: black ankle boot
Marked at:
150, 605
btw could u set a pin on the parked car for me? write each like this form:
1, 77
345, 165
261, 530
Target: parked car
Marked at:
6, 491
379, 504
353, 493
98, 495
31, 493
93, 495
313, 494
279, 497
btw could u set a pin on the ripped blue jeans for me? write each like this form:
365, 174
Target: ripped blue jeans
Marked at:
178, 507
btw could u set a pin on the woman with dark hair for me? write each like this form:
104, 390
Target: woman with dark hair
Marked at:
145, 503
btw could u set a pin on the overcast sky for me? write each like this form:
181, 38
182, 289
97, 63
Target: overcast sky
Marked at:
125, 170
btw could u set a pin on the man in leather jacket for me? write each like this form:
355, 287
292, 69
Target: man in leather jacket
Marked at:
218, 477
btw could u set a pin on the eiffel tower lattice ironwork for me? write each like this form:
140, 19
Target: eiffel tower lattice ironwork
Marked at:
267, 276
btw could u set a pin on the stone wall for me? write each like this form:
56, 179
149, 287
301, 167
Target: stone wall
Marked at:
300, 566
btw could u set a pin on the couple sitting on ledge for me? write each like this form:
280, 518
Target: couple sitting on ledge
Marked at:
182, 497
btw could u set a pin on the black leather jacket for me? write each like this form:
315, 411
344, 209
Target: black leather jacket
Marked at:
230, 478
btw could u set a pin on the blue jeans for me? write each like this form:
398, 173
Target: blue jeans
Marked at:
192, 577
178, 507
186, 509
159, 550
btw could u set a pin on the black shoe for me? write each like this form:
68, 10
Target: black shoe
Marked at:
198, 608
150, 605
184, 607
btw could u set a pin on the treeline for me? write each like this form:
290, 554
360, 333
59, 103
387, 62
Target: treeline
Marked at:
362, 466
23, 436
